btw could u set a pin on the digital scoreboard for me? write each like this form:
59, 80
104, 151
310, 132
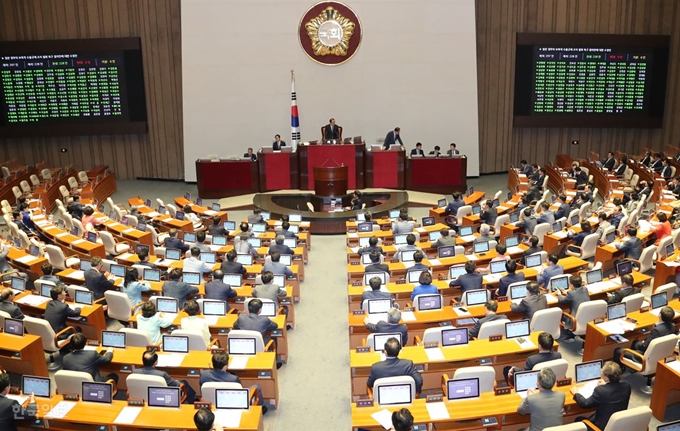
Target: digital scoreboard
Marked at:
596, 85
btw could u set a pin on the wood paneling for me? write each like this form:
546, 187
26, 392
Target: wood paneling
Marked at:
497, 24
158, 154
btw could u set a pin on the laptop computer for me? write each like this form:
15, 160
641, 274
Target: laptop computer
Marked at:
407, 255
671, 426
176, 343
594, 276
497, 267
476, 297
229, 225
286, 259
441, 203
446, 251
193, 278
233, 279
532, 260
400, 239
517, 329
242, 346
40, 386
413, 276
173, 254
462, 389
114, 339
238, 399
208, 257
179, 215
616, 311
245, 259
14, 327
381, 275
428, 221
388, 395
429, 302
158, 396
295, 218
363, 241
394, 213
97, 392
588, 371
167, 305
189, 237
214, 308
476, 209
18, 285
434, 235
84, 297
559, 282
151, 274
85, 265
117, 270
519, 291
140, 247
219, 240
456, 271
511, 241
365, 227
290, 242
480, 247
380, 339
455, 337
610, 237
215, 206
525, 380
623, 268
259, 227
514, 217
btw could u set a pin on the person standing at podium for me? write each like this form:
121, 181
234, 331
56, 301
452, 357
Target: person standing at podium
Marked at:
331, 131
278, 143
392, 137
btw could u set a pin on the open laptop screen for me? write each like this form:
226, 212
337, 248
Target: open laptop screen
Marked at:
14, 327
255, 242
173, 254
151, 275
446, 251
616, 311
559, 282
245, 259
84, 297
117, 270
268, 309
232, 399
659, 300
525, 380
465, 231
623, 268
220, 240
394, 394
96, 392
429, 302
214, 308
167, 305
532, 260
379, 306
594, 276
40, 386
365, 227
290, 242
428, 221
476, 297
460, 389
481, 247
511, 241
456, 271
517, 329
400, 239
455, 337
588, 371
208, 257
497, 267
413, 276
189, 237
242, 346
18, 283
229, 225
671, 426
191, 278
519, 291
379, 340
434, 236
176, 343
233, 279
113, 339
381, 275
140, 247
163, 396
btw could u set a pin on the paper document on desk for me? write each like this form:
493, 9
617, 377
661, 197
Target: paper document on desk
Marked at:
612, 327
491, 278
211, 320
472, 257
434, 354
587, 389
551, 298
384, 418
78, 241
675, 365
460, 312
210, 212
60, 410
170, 360
228, 418
514, 250
152, 214
526, 344
26, 259
354, 249
502, 208
128, 415
377, 317
435, 262
437, 410
18, 398
408, 316
130, 230
59, 235
114, 224
468, 238
32, 300
560, 234
672, 263
124, 256
421, 230
76, 275
41, 223
238, 362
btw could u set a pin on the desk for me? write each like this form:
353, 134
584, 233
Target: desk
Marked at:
440, 213
607, 254
6, 192
665, 273
99, 190
25, 262
666, 389
197, 360
226, 178
71, 245
385, 169
517, 182
436, 175
599, 345
89, 416
351, 155
502, 353
278, 171
22, 355
467, 414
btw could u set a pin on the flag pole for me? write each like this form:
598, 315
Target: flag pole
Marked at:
294, 119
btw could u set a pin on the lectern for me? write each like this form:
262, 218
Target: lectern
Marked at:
330, 181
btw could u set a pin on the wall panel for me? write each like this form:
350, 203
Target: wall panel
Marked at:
497, 24
157, 154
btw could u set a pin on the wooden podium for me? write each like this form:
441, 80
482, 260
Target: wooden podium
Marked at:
330, 181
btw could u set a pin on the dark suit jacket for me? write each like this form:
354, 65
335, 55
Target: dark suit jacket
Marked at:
97, 283
392, 367
474, 331
417, 152
233, 268
609, 164
176, 243
218, 290
56, 313
632, 248
581, 179
11, 309
608, 399
666, 172
377, 267
386, 327
8, 412
620, 170
657, 165
541, 357
253, 157
489, 216
506, 281
255, 322
217, 229
179, 290
278, 145
562, 211
218, 376
391, 138
154, 372
282, 249
331, 132
87, 361
661, 329
617, 296
529, 305
468, 282
289, 234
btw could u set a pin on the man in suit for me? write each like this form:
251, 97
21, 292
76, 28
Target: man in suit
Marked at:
392, 366
375, 292
445, 239
576, 296
171, 241
256, 217
7, 304
217, 289
410, 245
631, 245
490, 308
47, 271
96, 281
278, 144
285, 232
545, 353
533, 248
280, 247
402, 225
392, 137
252, 321
452, 150
176, 288
666, 170
418, 257
647, 158
331, 131
664, 327
545, 406
436, 152
580, 176
455, 204
10, 410
217, 228
610, 396
219, 374
528, 222
276, 267
553, 269
375, 265
88, 360
657, 165
626, 290
193, 263
610, 162
418, 151
230, 266
525, 168
489, 213
200, 242
269, 290
546, 216
56, 311
372, 246
484, 234
252, 156
539, 178
563, 210
391, 326
149, 360
5, 267
512, 277
533, 302
143, 256
469, 281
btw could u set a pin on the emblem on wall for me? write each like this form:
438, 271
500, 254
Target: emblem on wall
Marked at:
330, 33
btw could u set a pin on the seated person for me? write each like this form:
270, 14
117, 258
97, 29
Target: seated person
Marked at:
545, 216
391, 326
285, 232
253, 321
7, 304
533, 247
193, 263
436, 152
88, 361
453, 206
151, 322
269, 290
410, 245
425, 286
217, 228
57, 311
280, 246
545, 353
251, 155
484, 234
89, 220
578, 238
528, 222
191, 216
200, 242
195, 323
469, 281
149, 360
276, 267
48, 275
392, 366
375, 265
610, 396
501, 251
507, 280
217, 289
545, 406
231, 266
533, 302
376, 293
626, 289
256, 217
418, 151
219, 374
490, 308
664, 327
241, 244
576, 296
96, 281
12, 413
171, 241
204, 419
445, 239
489, 213
564, 209
418, 259
545, 273
402, 225
133, 288
662, 229
143, 256
372, 246
175, 288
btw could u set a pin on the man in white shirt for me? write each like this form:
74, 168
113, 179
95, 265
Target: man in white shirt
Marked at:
194, 264
194, 322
